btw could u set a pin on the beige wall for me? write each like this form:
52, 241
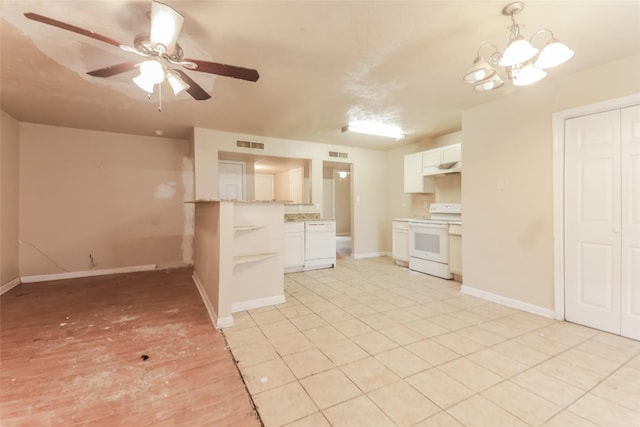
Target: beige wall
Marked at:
117, 197
371, 232
508, 232
281, 189
9, 162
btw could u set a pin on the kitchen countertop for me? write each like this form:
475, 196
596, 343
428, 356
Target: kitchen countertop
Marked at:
298, 217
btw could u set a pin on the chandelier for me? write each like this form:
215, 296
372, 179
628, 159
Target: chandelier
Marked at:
521, 62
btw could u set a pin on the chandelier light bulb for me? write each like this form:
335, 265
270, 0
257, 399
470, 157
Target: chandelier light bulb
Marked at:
553, 54
490, 84
518, 51
528, 75
480, 70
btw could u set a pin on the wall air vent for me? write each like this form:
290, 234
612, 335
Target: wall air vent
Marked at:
338, 154
249, 144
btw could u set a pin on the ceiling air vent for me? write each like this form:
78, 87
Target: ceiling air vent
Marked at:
249, 144
338, 154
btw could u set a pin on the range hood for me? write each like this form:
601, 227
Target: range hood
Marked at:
442, 169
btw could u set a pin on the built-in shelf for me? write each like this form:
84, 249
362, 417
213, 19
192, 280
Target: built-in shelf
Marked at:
247, 227
244, 259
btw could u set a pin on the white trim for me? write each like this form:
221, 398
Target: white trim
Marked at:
257, 303
210, 310
510, 302
558, 120
88, 273
9, 285
224, 322
370, 255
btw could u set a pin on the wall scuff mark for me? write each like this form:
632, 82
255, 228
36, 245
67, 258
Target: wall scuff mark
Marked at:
165, 191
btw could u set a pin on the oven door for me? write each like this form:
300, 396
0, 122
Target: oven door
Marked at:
429, 241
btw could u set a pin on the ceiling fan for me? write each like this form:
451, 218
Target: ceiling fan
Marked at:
161, 49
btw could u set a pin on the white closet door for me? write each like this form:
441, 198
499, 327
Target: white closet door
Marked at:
592, 220
630, 173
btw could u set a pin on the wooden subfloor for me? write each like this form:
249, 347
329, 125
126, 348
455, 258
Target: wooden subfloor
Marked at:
71, 354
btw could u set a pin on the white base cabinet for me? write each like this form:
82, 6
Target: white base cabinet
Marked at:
400, 242
455, 249
293, 246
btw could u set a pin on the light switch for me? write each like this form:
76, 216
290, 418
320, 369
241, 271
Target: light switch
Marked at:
357, 199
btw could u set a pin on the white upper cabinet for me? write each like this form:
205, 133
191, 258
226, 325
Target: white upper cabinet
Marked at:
430, 158
414, 182
442, 160
451, 154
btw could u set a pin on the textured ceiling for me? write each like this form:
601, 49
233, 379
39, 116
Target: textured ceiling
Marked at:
321, 63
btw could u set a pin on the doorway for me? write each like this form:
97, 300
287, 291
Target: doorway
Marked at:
337, 203
596, 215
231, 180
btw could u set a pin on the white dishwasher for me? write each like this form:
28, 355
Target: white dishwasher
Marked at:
319, 244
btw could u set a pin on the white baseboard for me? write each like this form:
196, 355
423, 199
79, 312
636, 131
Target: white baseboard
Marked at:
217, 323
10, 285
87, 273
223, 322
257, 303
369, 255
510, 302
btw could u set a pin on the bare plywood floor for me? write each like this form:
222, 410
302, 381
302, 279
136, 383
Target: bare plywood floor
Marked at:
71, 354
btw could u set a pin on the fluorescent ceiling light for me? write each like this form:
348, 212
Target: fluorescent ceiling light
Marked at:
374, 128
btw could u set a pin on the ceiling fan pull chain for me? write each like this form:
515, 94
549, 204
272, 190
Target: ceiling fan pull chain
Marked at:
160, 97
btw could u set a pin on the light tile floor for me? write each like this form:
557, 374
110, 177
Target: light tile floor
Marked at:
373, 344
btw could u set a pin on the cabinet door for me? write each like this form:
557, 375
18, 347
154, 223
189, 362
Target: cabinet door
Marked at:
414, 182
451, 153
293, 250
455, 254
430, 158
400, 245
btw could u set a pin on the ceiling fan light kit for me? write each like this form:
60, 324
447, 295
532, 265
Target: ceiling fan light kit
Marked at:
161, 49
521, 62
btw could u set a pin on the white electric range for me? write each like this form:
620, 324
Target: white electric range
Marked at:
429, 239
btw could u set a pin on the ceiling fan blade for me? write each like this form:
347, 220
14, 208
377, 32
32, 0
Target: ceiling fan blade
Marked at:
112, 70
166, 25
194, 88
73, 28
224, 70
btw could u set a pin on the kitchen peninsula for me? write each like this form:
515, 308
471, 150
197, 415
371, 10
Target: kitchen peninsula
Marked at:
238, 259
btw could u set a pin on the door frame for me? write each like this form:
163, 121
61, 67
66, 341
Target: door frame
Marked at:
558, 120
